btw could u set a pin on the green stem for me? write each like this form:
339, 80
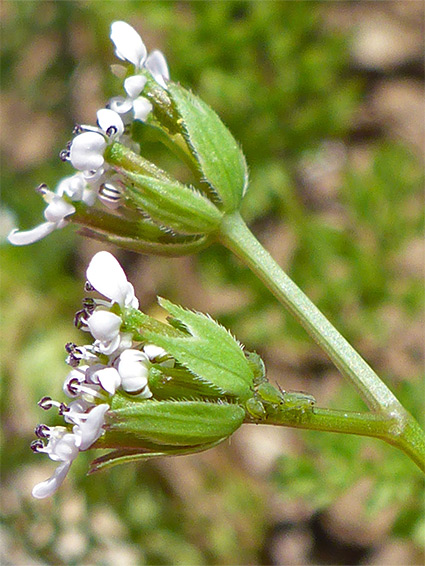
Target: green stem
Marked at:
406, 433
330, 420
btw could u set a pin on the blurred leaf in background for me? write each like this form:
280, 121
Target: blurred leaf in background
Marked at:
328, 122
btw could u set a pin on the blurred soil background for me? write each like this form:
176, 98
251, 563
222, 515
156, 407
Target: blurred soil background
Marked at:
326, 99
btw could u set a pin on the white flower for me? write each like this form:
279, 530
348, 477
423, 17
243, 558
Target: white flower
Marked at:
107, 276
62, 447
128, 44
86, 152
110, 122
133, 367
55, 213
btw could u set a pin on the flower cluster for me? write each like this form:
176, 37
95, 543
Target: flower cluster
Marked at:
94, 178
113, 362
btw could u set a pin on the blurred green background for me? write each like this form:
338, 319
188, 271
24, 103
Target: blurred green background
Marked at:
326, 100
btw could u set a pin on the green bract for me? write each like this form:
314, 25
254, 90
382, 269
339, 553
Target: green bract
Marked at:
149, 428
208, 351
217, 153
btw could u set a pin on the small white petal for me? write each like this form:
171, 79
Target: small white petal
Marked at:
134, 85
109, 379
142, 108
23, 238
58, 209
110, 348
48, 487
123, 106
107, 118
157, 65
153, 351
128, 43
91, 429
108, 278
86, 153
133, 369
104, 325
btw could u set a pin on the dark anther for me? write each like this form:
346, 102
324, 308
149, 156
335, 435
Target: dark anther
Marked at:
77, 129
36, 445
88, 287
45, 403
41, 431
70, 347
64, 155
111, 131
79, 318
72, 360
42, 188
63, 409
89, 304
73, 386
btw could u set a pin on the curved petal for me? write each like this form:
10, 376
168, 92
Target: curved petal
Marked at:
108, 278
108, 378
89, 431
107, 118
142, 108
58, 209
23, 238
128, 43
157, 65
123, 106
134, 85
86, 153
48, 487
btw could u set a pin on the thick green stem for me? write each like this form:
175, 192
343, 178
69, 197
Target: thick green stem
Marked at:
405, 433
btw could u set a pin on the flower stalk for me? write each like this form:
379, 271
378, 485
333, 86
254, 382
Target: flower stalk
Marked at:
389, 419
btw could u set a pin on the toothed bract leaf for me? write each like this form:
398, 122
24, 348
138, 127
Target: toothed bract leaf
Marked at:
209, 351
151, 424
220, 158
173, 204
